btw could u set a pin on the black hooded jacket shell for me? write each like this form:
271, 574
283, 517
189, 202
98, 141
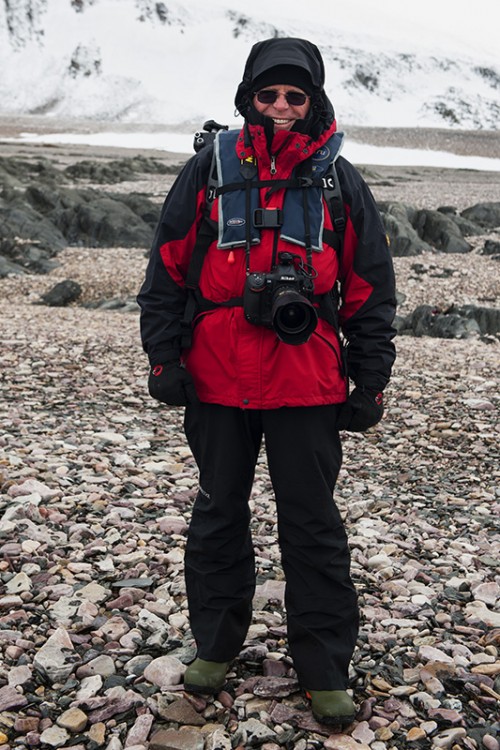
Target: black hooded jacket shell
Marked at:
232, 361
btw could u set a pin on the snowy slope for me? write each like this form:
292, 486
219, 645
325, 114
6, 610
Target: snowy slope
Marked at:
433, 64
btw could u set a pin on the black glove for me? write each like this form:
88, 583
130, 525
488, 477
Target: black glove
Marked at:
363, 409
172, 384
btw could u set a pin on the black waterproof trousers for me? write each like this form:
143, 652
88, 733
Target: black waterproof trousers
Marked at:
304, 457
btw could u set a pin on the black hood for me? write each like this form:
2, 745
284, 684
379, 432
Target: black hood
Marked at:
287, 51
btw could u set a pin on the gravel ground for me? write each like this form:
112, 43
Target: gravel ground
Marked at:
96, 487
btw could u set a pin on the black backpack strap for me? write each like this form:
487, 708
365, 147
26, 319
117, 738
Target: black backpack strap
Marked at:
335, 203
206, 235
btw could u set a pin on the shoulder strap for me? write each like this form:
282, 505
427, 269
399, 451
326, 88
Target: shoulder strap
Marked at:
333, 196
206, 234
335, 203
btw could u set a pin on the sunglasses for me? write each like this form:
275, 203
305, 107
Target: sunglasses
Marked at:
269, 96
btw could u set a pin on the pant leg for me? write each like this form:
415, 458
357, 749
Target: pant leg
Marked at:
219, 559
304, 455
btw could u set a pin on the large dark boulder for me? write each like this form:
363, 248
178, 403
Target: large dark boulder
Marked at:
91, 218
487, 318
9, 268
40, 213
17, 172
440, 231
27, 239
47, 199
426, 320
103, 222
62, 294
118, 170
143, 207
412, 231
456, 322
491, 247
398, 219
35, 224
485, 214
466, 227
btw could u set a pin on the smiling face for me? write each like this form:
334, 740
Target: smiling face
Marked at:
281, 111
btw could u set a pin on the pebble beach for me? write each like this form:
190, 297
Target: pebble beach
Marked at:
96, 487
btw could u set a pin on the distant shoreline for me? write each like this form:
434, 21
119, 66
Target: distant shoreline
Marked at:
420, 186
483, 143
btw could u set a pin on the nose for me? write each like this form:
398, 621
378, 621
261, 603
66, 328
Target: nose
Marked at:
281, 102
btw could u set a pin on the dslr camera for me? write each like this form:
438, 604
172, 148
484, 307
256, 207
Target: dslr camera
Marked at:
282, 300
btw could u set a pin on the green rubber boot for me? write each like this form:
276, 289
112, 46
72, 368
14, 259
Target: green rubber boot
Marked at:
332, 706
205, 677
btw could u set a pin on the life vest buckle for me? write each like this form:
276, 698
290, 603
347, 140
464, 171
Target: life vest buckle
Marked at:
268, 218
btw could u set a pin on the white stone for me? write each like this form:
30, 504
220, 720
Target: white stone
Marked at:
139, 732
107, 565
18, 583
165, 671
56, 658
19, 675
487, 592
29, 546
93, 592
87, 612
110, 437
429, 653
378, 562
151, 622
114, 743
477, 611
102, 665
89, 687
31, 486
64, 610
54, 736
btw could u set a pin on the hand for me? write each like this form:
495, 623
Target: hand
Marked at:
363, 409
172, 384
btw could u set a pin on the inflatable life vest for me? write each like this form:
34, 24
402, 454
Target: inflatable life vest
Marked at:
240, 218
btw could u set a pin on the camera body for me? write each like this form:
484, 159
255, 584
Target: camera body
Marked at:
282, 300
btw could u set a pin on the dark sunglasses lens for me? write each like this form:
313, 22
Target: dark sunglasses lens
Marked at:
295, 98
267, 97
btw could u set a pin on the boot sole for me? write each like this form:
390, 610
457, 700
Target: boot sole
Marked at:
342, 721
203, 689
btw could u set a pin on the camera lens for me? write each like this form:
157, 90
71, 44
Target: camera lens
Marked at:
294, 317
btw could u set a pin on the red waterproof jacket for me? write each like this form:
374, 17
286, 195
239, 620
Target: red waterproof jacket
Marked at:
236, 363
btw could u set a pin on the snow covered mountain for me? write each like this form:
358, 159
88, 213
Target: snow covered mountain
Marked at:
433, 64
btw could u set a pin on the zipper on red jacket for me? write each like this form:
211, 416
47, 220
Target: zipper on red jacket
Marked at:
272, 168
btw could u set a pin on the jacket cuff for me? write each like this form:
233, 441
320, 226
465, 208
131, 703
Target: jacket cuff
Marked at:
370, 381
162, 356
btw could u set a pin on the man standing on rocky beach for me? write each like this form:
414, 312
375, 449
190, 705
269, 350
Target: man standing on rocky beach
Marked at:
254, 280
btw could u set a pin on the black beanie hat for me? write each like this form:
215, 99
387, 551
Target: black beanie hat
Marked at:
290, 75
